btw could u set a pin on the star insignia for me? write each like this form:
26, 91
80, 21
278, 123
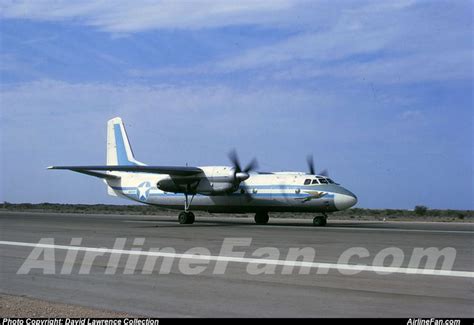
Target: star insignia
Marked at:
143, 191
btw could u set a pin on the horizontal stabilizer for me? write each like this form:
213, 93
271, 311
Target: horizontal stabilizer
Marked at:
170, 170
89, 172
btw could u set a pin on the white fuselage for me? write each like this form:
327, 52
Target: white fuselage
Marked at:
272, 192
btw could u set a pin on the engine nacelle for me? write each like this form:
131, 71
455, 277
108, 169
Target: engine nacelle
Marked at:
213, 188
213, 181
170, 185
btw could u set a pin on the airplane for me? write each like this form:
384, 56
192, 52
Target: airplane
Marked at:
215, 189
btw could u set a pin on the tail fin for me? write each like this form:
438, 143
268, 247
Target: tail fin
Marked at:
119, 151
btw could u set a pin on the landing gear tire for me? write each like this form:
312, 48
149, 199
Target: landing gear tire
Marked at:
261, 218
319, 221
186, 218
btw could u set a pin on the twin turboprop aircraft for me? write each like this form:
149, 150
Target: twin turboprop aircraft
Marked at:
216, 189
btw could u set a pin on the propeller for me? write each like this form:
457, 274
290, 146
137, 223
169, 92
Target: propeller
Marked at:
310, 161
241, 174
324, 172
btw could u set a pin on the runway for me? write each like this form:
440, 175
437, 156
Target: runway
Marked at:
236, 292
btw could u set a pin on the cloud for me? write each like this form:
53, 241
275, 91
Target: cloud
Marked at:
133, 16
396, 42
285, 63
27, 103
448, 65
384, 42
411, 115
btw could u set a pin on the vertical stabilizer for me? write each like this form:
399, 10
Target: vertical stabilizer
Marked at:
119, 151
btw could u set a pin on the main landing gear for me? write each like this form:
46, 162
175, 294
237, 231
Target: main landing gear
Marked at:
320, 221
261, 218
186, 217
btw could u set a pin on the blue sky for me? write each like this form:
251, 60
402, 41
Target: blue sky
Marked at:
381, 92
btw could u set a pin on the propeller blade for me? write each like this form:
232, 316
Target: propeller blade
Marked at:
252, 165
234, 158
310, 162
324, 172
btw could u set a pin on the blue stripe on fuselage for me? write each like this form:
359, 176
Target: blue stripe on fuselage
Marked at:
284, 195
323, 188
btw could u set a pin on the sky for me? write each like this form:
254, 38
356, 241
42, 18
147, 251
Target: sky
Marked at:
380, 92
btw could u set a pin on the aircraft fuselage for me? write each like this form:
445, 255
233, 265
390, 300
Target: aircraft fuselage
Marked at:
277, 192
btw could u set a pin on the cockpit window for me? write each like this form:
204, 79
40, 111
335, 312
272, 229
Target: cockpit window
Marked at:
315, 181
325, 180
307, 181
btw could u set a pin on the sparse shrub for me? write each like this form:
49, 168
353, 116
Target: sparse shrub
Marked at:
421, 210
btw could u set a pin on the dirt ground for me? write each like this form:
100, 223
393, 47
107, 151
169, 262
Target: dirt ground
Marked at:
15, 306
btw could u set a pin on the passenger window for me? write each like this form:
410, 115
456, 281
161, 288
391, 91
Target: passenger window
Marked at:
315, 181
330, 181
323, 181
307, 182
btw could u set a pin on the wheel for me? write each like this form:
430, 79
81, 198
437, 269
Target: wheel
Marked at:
182, 218
190, 218
186, 218
261, 218
319, 221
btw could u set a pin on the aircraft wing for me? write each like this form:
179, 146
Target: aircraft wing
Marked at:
170, 170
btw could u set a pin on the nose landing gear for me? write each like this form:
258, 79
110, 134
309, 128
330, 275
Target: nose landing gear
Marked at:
261, 218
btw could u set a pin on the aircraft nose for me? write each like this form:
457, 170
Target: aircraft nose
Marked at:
344, 201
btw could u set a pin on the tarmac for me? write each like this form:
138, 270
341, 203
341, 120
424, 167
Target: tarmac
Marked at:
330, 289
